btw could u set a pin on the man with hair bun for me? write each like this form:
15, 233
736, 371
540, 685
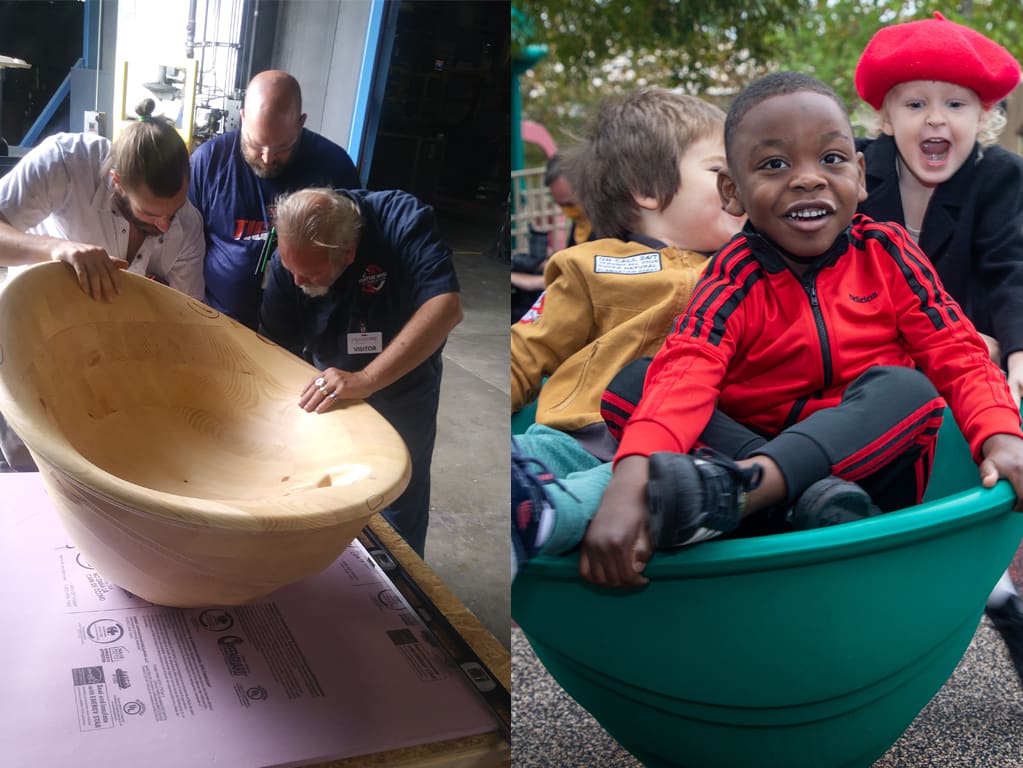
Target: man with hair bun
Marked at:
101, 207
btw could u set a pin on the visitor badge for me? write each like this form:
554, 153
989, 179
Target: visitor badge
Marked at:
365, 343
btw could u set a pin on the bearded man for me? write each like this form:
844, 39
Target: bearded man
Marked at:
237, 176
363, 288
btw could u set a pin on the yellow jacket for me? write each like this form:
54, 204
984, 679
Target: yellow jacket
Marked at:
607, 302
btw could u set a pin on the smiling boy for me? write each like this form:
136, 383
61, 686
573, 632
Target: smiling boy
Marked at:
826, 335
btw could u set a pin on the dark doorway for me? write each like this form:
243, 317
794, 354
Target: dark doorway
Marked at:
47, 35
444, 123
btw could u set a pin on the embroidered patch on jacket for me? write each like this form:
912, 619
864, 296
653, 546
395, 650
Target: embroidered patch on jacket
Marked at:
373, 279
863, 299
640, 264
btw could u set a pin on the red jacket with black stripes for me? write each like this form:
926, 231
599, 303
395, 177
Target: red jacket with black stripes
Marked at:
769, 348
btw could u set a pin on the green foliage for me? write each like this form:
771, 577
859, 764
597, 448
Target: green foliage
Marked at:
711, 48
581, 31
828, 42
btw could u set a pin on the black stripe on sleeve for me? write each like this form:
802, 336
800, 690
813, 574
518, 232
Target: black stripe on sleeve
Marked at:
725, 282
918, 272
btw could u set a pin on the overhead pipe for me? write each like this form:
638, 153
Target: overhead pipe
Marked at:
190, 31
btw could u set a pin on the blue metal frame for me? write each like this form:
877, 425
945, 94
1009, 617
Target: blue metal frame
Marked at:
90, 32
369, 95
63, 91
88, 60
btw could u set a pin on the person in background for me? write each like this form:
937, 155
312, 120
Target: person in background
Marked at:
936, 170
101, 207
580, 229
363, 288
649, 166
236, 177
527, 268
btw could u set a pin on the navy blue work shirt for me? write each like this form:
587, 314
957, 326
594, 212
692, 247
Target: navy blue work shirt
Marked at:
237, 207
400, 264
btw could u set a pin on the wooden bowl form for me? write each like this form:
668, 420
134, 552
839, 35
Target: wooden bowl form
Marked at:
171, 443
813, 649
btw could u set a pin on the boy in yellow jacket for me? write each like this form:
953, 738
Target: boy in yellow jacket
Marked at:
646, 175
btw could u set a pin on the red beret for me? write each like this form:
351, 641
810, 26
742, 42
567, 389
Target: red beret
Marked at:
935, 49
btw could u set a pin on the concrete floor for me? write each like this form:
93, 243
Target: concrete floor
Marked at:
467, 543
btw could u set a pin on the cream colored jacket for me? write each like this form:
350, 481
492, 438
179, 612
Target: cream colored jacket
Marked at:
607, 302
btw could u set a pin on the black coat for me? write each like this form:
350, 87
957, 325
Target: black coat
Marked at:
972, 231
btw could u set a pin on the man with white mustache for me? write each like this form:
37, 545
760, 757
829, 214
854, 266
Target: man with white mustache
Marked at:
363, 287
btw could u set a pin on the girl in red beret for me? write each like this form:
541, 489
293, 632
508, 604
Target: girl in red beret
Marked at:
935, 170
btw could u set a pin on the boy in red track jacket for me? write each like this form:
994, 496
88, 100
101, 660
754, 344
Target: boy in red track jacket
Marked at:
820, 340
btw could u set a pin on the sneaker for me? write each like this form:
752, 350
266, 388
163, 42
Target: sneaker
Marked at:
831, 501
531, 510
695, 497
1008, 620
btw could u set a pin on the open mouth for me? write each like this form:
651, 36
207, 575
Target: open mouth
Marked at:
809, 214
935, 150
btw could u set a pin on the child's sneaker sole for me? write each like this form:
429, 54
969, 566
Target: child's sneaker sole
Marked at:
693, 498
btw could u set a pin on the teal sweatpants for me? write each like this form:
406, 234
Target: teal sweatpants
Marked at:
583, 476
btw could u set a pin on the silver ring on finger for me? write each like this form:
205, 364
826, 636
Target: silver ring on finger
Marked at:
320, 382
332, 395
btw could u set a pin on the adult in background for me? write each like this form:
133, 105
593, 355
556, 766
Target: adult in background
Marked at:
101, 207
362, 287
580, 230
527, 268
237, 176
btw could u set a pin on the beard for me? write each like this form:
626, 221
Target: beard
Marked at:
261, 169
271, 170
125, 208
315, 291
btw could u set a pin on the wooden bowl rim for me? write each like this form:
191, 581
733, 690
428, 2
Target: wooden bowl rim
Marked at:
319, 508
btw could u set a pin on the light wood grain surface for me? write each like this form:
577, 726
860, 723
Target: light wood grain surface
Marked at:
170, 439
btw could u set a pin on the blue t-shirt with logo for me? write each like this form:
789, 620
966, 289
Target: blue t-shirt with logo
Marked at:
400, 263
236, 206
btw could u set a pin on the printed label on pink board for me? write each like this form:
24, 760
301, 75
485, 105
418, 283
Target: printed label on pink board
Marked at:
337, 665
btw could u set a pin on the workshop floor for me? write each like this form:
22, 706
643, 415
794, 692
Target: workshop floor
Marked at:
467, 544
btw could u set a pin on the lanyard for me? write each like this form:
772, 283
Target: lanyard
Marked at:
271, 235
